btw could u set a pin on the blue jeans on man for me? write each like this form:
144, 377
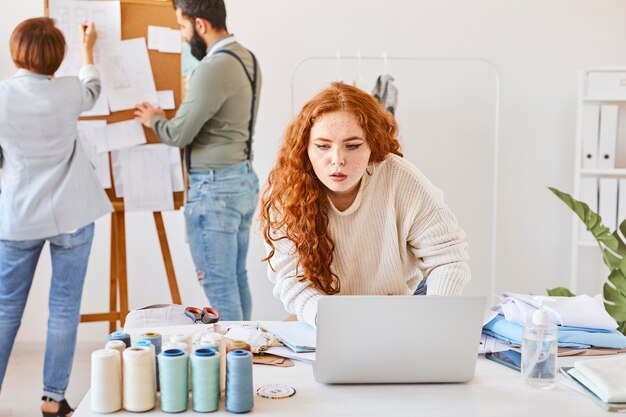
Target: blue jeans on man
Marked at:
218, 213
18, 260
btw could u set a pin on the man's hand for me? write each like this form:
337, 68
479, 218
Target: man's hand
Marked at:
145, 111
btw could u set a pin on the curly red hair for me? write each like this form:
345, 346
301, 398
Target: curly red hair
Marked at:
294, 205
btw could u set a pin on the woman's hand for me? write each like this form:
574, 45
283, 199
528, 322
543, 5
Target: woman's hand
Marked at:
145, 111
88, 36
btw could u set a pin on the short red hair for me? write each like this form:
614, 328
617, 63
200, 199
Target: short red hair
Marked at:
38, 46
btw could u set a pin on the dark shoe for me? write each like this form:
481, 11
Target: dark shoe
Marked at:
64, 408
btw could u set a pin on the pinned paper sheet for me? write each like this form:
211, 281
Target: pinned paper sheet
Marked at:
146, 178
164, 39
90, 133
176, 171
68, 15
122, 135
127, 74
166, 99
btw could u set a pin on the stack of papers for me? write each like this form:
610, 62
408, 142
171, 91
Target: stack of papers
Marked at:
296, 335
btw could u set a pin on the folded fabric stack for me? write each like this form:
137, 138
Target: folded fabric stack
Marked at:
583, 322
604, 377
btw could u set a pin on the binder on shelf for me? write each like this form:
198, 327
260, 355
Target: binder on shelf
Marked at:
608, 136
607, 204
589, 195
590, 127
621, 202
620, 151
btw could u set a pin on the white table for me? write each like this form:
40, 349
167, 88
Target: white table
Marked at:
494, 391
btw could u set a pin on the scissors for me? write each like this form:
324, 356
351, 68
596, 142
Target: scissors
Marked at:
207, 315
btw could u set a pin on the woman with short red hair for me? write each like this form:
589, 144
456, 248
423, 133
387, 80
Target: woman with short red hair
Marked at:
344, 213
49, 193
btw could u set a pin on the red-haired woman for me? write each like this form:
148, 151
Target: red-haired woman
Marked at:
344, 213
50, 193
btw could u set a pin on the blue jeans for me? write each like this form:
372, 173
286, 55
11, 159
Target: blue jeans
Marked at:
218, 213
18, 260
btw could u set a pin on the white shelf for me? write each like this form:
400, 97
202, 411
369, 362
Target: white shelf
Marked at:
606, 98
615, 172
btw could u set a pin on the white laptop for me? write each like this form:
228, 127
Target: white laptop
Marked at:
397, 339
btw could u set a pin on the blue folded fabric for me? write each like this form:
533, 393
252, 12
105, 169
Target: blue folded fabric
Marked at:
574, 337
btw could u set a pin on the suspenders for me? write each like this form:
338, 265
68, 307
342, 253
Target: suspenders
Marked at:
252, 80
253, 84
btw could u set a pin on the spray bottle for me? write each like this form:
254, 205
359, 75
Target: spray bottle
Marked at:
539, 347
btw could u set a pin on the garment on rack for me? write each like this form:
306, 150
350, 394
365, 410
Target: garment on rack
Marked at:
386, 93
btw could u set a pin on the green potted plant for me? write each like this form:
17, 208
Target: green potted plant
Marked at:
613, 251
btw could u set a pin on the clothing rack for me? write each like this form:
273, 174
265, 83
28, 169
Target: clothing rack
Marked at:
338, 59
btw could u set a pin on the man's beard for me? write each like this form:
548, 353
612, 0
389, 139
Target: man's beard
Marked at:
197, 45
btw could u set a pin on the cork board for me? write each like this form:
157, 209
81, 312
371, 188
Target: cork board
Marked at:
136, 16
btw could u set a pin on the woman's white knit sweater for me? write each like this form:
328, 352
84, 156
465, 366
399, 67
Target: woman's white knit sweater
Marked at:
397, 231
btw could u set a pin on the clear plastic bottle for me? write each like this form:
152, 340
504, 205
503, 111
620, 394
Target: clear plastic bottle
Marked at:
539, 346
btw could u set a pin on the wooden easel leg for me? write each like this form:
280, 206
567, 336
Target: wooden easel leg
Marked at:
167, 258
113, 274
121, 266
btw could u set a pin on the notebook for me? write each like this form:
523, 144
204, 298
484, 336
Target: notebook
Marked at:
397, 339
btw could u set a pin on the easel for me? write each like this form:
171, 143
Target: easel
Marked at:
136, 15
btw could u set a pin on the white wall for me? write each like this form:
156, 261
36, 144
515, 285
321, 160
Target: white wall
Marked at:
538, 46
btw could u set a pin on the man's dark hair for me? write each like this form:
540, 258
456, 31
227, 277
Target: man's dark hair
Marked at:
214, 11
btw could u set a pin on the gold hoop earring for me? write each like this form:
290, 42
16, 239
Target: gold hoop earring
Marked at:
370, 169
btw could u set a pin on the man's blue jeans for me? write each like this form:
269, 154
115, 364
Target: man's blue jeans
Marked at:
18, 260
218, 213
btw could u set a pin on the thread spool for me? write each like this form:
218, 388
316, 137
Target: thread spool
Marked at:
174, 345
125, 337
156, 340
173, 366
148, 344
239, 395
238, 345
205, 377
210, 345
221, 343
120, 346
139, 379
182, 338
106, 381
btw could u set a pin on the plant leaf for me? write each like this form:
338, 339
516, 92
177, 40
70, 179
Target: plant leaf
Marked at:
560, 292
591, 219
615, 296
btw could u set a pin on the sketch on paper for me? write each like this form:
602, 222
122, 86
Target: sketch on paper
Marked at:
127, 74
70, 14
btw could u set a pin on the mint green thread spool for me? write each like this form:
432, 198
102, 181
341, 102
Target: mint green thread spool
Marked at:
173, 365
205, 380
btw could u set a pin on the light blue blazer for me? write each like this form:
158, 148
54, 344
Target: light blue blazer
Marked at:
48, 185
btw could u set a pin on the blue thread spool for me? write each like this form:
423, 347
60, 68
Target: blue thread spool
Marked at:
205, 380
156, 340
173, 365
124, 337
239, 393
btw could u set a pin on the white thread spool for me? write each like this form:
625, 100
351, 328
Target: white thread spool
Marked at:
221, 343
174, 345
145, 343
120, 346
106, 381
139, 379
182, 338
